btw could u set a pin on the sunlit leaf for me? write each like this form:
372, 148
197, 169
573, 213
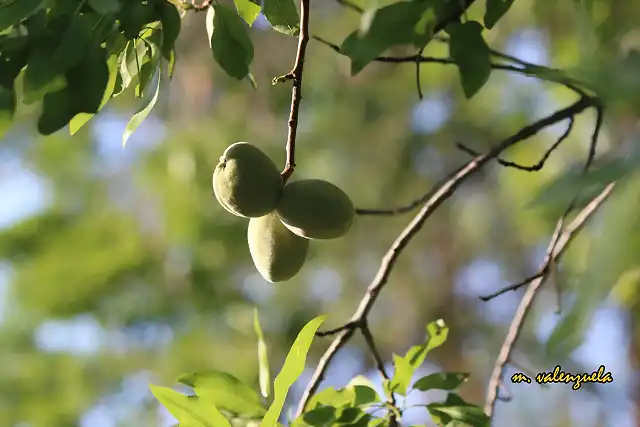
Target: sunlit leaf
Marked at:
263, 360
142, 114
291, 370
283, 16
192, 411
226, 392
248, 10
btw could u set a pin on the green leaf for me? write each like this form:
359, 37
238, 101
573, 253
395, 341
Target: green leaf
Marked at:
171, 25
441, 381
331, 396
191, 411
471, 54
467, 414
133, 57
229, 40
56, 111
263, 361
495, 10
613, 252
142, 114
88, 93
75, 41
291, 370
225, 391
320, 416
39, 78
283, 16
81, 119
353, 417
7, 108
105, 7
248, 10
402, 375
391, 25
14, 11
149, 65
405, 366
363, 390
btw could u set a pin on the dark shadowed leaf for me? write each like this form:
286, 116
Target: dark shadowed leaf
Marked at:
227, 392
105, 7
81, 119
441, 381
56, 111
230, 43
471, 54
60, 56
248, 10
7, 108
391, 25
495, 10
283, 16
14, 11
88, 93
171, 24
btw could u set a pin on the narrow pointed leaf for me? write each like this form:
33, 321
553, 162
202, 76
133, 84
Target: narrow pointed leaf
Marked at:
263, 361
291, 370
142, 114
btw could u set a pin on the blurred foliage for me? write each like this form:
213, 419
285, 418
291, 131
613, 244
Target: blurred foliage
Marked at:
132, 246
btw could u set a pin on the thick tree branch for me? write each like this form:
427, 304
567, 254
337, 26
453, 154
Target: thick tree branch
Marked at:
530, 70
559, 242
431, 202
296, 92
523, 134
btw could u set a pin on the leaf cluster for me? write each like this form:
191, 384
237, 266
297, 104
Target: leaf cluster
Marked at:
221, 399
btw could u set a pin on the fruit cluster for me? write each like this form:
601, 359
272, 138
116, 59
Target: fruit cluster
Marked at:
282, 218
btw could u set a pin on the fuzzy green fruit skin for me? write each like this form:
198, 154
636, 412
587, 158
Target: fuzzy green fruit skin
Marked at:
277, 253
246, 182
316, 209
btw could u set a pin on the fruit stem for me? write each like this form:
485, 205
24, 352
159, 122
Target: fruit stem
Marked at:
296, 91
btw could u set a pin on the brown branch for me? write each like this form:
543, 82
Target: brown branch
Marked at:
558, 244
197, 7
296, 92
533, 168
368, 337
523, 134
437, 196
349, 5
516, 286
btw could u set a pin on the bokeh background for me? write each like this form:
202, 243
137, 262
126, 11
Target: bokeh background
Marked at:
118, 268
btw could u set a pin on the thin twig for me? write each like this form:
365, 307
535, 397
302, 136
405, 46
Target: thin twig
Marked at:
368, 337
523, 134
349, 5
418, 80
296, 92
533, 168
558, 244
530, 70
437, 196
515, 286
